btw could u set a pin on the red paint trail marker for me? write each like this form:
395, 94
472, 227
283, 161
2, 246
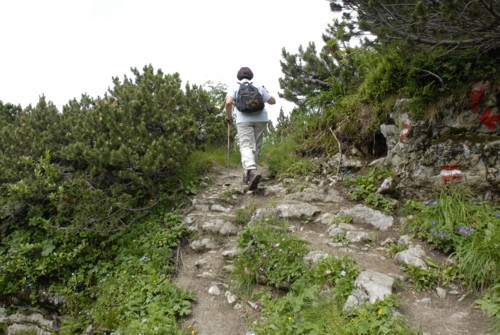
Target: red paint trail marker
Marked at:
450, 172
489, 120
406, 130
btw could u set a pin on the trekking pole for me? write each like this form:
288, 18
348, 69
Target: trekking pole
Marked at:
228, 149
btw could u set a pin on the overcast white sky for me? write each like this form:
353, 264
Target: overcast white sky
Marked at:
64, 48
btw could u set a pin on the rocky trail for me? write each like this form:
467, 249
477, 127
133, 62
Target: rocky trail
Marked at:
204, 264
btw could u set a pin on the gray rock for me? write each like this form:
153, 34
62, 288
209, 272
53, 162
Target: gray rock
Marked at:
231, 298
386, 241
214, 290
326, 218
441, 292
203, 245
425, 301
315, 195
359, 236
370, 216
298, 210
459, 315
376, 284
261, 213
230, 254
414, 255
404, 239
357, 297
370, 286
273, 190
387, 186
334, 231
313, 257
26, 329
219, 208
348, 226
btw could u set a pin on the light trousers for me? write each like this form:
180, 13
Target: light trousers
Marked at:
250, 136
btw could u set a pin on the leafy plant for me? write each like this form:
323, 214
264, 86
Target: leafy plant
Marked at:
490, 301
364, 188
391, 249
342, 218
424, 279
269, 255
244, 214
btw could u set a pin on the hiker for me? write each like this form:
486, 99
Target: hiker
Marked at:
251, 123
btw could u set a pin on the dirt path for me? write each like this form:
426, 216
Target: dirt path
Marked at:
205, 264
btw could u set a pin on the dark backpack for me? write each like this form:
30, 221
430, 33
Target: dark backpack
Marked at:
249, 99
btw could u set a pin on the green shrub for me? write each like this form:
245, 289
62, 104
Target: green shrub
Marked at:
132, 293
455, 223
283, 161
269, 256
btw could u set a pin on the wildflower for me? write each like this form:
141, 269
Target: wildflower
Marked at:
434, 222
290, 318
465, 230
380, 311
427, 202
442, 234
498, 215
435, 202
275, 245
261, 269
432, 230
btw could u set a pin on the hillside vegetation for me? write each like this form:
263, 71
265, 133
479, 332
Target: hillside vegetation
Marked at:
91, 195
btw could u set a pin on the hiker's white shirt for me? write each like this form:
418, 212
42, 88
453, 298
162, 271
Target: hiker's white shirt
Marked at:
250, 117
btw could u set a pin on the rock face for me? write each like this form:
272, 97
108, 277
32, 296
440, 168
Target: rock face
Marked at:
462, 144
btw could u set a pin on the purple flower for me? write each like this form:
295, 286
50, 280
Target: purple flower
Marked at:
465, 230
442, 234
434, 222
428, 202
498, 214
435, 202
431, 230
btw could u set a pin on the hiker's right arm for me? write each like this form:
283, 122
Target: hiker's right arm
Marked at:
229, 108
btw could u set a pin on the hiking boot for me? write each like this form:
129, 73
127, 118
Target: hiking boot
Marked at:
253, 179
